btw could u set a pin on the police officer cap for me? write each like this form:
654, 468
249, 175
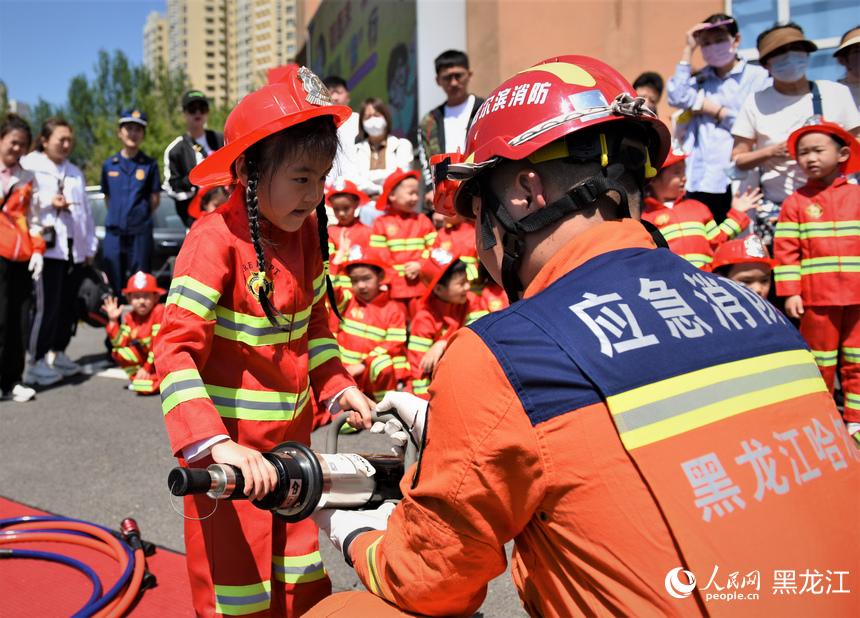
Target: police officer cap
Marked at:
132, 115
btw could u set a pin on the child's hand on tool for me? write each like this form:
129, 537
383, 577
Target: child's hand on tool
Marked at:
260, 476
359, 406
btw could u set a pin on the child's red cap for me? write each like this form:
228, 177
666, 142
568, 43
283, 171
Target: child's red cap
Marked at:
142, 282
831, 128
749, 249
299, 96
366, 256
348, 187
675, 155
394, 179
434, 268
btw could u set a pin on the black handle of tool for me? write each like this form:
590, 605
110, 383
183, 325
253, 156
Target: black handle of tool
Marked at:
190, 481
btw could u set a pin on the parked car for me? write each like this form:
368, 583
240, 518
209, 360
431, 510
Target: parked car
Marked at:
168, 232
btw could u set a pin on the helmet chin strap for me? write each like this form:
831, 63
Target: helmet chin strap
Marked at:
578, 198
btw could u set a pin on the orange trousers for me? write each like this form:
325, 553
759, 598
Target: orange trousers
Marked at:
355, 604
833, 335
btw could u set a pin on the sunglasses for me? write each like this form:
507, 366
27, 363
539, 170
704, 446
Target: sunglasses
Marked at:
459, 76
197, 108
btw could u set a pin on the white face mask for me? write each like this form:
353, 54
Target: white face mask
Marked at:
719, 54
790, 66
375, 126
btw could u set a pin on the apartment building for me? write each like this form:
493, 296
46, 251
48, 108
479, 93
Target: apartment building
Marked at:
155, 40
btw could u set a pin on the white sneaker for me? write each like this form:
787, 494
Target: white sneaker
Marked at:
64, 365
22, 394
42, 373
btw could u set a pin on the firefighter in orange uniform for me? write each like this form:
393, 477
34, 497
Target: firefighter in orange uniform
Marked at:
629, 418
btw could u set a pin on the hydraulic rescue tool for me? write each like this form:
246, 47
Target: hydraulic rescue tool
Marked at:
307, 480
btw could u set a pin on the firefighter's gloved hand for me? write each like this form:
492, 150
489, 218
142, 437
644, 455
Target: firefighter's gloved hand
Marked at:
343, 526
37, 261
411, 410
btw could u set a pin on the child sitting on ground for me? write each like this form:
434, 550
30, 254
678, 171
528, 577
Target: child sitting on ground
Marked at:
132, 341
344, 199
372, 335
687, 225
403, 236
445, 307
818, 248
745, 261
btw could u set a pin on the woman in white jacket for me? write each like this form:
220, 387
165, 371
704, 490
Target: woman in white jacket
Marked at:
62, 206
378, 153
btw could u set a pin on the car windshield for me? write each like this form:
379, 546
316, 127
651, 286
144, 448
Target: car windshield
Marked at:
165, 215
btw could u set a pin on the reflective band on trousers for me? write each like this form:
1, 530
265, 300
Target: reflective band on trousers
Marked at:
243, 600
299, 569
670, 407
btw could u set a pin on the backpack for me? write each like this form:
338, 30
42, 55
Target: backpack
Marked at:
92, 293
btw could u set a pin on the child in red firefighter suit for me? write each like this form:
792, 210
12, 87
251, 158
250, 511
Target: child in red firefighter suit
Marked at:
403, 237
457, 236
817, 244
344, 198
446, 305
687, 225
372, 335
133, 340
244, 340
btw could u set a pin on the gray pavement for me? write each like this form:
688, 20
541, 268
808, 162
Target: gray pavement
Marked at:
89, 449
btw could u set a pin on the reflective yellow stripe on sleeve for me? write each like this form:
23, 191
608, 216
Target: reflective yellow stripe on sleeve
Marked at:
670, 407
322, 350
375, 581
243, 600
181, 386
194, 296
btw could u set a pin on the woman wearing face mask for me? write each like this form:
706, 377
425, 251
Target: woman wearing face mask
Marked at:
712, 99
69, 231
770, 116
378, 153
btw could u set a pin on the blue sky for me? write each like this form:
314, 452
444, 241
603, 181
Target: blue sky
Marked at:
45, 43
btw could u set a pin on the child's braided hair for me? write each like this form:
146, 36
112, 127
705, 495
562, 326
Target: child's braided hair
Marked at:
314, 138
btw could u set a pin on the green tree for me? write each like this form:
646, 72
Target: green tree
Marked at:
4, 99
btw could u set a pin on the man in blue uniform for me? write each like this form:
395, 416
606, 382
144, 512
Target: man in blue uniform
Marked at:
132, 188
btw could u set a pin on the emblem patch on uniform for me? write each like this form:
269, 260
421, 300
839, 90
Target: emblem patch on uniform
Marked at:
139, 280
446, 245
140, 174
258, 281
357, 313
495, 305
317, 92
662, 219
113, 174
814, 210
755, 247
391, 230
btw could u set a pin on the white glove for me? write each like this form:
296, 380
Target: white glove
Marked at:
37, 261
412, 411
338, 524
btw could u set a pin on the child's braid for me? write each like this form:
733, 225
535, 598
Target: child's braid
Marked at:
265, 286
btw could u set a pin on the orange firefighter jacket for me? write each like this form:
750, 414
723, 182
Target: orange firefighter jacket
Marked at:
18, 242
817, 243
607, 488
372, 333
403, 237
689, 228
225, 370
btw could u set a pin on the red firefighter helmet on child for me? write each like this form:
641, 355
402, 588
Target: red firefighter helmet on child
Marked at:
434, 268
819, 125
343, 186
749, 249
142, 282
299, 96
538, 106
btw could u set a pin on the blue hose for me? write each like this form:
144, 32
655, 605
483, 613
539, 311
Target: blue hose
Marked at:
93, 606
75, 564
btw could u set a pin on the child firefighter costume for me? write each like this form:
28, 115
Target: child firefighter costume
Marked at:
227, 371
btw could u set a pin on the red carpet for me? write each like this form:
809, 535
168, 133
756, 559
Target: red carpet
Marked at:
47, 589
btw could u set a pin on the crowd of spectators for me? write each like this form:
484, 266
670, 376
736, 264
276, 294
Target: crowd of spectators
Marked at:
730, 171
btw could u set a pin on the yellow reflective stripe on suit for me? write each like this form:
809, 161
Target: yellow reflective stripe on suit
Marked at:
670, 407
243, 600
193, 296
299, 569
258, 331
